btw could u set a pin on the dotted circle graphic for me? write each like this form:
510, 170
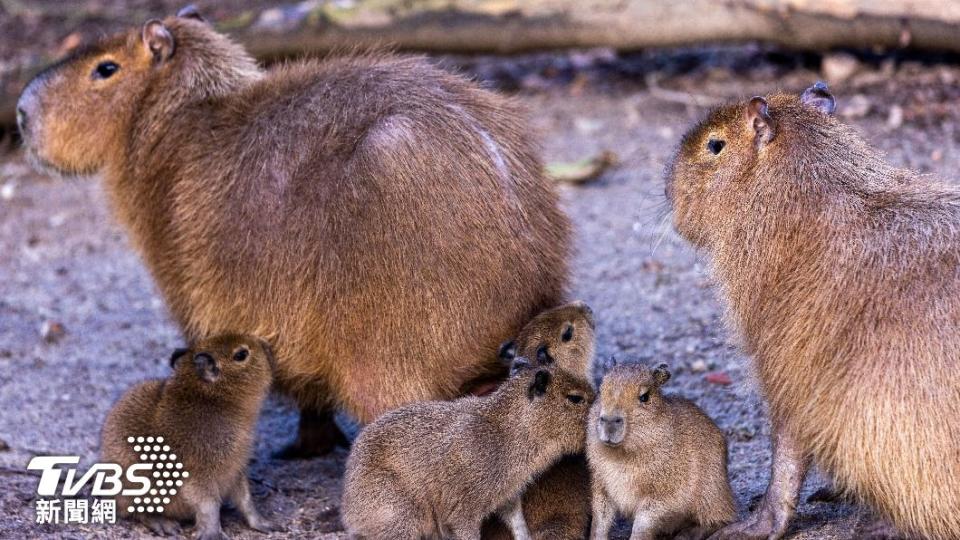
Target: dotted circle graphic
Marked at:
165, 466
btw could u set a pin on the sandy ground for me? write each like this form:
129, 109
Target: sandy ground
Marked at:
66, 261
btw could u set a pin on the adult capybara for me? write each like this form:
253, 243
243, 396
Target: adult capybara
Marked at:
841, 274
386, 224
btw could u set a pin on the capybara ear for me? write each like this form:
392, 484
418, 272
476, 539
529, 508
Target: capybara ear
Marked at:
519, 364
268, 351
189, 11
539, 385
818, 97
157, 40
758, 119
600, 368
544, 358
177, 353
507, 351
661, 374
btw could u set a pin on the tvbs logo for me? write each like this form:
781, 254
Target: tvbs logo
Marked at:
149, 484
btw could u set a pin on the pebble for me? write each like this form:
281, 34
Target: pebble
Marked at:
895, 117
857, 106
52, 331
698, 366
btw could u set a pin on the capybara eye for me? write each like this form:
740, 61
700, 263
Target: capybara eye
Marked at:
715, 146
241, 355
575, 399
105, 70
644, 397
567, 333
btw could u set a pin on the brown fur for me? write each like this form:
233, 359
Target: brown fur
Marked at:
439, 468
386, 223
840, 273
208, 424
557, 505
664, 464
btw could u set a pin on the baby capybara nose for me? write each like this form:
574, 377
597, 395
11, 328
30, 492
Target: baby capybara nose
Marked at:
27, 108
610, 430
21, 119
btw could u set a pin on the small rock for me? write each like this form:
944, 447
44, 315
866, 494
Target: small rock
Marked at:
895, 117
698, 366
8, 190
4, 446
936, 155
718, 377
71, 42
857, 106
838, 67
52, 331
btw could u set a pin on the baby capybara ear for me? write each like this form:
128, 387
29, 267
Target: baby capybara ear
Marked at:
758, 119
600, 368
539, 385
661, 374
157, 40
544, 357
507, 351
189, 11
177, 353
818, 97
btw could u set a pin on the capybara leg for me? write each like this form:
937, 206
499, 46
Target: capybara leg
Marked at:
603, 515
161, 526
317, 435
208, 520
241, 499
512, 515
772, 518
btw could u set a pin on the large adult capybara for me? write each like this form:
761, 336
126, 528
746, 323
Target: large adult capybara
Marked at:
386, 224
841, 274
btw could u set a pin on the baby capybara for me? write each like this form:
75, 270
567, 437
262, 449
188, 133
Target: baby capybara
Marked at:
436, 469
386, 224
205, 414
657, 459
840, 274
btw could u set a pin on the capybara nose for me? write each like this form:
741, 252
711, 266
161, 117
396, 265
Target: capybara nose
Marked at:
610, 430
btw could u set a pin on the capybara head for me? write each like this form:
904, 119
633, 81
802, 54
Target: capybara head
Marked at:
556, 405
629, 402
736, 153
77, 113
563, 336
237, 364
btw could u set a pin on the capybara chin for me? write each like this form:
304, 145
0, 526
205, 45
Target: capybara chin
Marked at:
840, 273
385, 223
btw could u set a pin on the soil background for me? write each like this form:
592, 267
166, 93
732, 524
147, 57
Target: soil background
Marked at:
65, 262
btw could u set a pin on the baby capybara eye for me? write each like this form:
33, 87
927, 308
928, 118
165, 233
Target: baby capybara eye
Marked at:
575, 399
567, 333
644, 397
241, 355
715, 146
105, 70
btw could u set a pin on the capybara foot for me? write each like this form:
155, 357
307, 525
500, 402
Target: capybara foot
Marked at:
161, 526
318, 435
763, 523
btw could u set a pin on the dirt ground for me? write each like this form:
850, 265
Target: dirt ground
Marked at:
66, 261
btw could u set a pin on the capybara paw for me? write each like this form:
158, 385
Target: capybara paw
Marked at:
162, 526
216, 534
759, 525
264, 526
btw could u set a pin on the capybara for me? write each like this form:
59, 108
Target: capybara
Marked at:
384, 223
840, 275
205, 414
657, 459
438, 468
